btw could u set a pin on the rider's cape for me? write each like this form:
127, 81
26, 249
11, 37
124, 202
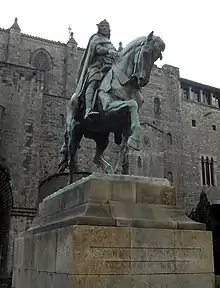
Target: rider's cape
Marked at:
87, 59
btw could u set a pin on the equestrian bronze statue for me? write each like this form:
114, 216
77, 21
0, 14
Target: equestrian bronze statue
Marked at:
108, 97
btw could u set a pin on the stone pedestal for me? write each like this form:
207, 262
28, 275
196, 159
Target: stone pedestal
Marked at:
113, 231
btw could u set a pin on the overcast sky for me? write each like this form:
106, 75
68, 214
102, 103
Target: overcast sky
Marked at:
190, 28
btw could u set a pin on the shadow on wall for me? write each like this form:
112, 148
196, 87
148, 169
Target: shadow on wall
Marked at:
55, 182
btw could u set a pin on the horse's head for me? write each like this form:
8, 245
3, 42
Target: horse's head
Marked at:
137, 59
149, 51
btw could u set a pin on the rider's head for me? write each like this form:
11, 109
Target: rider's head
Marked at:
104, 28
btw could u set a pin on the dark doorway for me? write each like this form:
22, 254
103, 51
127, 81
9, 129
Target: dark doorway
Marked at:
215, 215
6, 202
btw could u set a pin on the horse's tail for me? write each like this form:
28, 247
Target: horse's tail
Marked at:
72, 108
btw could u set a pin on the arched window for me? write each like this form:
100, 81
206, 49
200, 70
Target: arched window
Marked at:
169, 138
62, 120
208, 171
157, 106
203, 170
212, 172
170, 177
42, 60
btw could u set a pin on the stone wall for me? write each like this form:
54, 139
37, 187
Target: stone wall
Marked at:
3, 44
198, 141
21, 95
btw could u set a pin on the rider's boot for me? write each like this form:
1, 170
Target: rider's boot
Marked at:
89, 99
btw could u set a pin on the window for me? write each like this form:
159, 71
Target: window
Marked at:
42, 60
185, 92
203, 170
212, 172
214, 127
170, 177
193, 123
62, 120
208, 177
157, 106
196, 95
139, 162
169, 138
207, 97
215, 100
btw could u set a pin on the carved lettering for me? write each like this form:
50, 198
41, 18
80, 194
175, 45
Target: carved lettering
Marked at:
111, 253
143, 254
148, 260
117, 265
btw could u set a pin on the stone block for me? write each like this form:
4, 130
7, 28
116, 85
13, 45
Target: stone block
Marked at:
142, 281
65, 250
14, 278
195, 247
123, 191
62, 280
93, 249
97, 191
19, 252
46, 251
155, 192
120, 200
43, 280
29, 256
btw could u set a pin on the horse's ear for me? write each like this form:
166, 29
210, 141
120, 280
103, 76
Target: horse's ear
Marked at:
150, 36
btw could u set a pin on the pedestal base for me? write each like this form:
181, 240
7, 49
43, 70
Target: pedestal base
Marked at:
121, 246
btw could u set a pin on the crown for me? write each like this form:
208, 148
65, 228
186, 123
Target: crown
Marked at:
104, 22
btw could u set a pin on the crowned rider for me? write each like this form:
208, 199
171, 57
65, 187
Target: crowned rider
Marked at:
97, 60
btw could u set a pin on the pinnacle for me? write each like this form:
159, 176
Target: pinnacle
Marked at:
15, 25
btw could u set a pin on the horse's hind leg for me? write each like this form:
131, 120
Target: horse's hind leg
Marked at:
101, 145
122, 164
75, 138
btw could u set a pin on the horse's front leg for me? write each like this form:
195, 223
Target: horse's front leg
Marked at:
134, 140
74, 142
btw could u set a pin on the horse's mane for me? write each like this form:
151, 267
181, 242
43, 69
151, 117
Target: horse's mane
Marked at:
133, 44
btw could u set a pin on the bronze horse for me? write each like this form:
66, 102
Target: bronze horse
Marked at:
117, 100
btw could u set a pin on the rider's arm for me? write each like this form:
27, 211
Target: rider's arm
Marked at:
100, 50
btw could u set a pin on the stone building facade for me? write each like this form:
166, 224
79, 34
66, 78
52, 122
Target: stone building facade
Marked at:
180, 121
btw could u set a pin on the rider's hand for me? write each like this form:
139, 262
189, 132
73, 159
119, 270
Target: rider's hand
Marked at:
113, 53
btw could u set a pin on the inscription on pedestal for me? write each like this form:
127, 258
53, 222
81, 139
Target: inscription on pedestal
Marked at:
142, 260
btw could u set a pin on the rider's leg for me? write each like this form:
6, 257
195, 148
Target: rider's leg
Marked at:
90, 92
